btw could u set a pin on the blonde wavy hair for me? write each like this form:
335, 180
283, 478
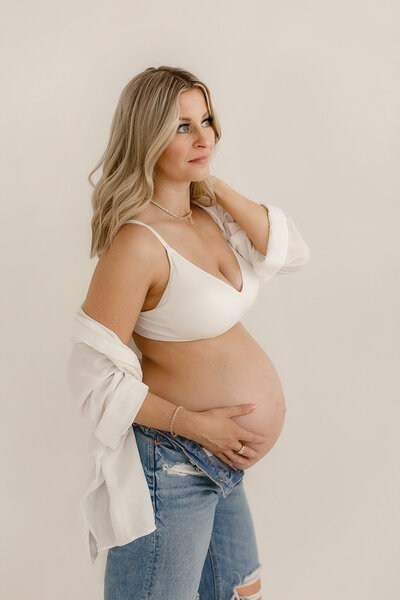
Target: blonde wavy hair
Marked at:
144, 124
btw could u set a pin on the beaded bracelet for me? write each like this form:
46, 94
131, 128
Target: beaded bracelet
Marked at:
172, 420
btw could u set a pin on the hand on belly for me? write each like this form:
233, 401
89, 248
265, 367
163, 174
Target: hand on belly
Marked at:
264, 420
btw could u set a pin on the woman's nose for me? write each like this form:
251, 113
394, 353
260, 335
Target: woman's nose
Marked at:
204, 133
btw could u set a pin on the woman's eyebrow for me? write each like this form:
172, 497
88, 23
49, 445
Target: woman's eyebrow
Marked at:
189, 119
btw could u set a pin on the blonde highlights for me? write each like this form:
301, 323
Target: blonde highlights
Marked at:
144, 124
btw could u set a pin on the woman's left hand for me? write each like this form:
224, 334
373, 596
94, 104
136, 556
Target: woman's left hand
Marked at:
244, 467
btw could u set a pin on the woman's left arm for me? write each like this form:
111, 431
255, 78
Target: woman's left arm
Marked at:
263, 234
250, 216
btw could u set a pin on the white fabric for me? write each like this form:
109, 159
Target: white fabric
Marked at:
286, 252
105, 377
218, 306
190, 291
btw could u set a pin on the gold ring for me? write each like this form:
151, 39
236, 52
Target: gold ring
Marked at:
242, 449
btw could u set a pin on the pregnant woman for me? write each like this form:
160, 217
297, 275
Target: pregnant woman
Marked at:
181, 259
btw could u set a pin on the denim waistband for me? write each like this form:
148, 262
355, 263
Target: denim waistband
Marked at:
220, 472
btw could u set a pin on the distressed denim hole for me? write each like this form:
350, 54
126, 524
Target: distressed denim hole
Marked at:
182, 469
252, 578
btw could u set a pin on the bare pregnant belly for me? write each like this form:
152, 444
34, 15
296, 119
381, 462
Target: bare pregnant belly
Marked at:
226, 370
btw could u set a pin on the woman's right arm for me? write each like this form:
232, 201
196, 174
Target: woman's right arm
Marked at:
120, 283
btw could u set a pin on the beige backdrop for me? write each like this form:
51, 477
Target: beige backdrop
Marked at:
308, 97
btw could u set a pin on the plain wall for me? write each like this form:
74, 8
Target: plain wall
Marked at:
308, 98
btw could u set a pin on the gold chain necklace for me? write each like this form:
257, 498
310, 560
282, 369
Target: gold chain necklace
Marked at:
184, 218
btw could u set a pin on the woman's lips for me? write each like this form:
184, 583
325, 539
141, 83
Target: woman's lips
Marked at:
200, 160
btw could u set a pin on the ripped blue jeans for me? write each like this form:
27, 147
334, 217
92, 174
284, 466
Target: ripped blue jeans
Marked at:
204, 545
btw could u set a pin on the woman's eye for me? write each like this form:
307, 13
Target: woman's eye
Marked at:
188, 124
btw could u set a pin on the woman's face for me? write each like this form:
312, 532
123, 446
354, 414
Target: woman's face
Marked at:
194, 138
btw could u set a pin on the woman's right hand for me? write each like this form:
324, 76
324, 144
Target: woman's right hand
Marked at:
215, 430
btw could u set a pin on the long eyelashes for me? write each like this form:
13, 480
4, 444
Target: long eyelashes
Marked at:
210, 119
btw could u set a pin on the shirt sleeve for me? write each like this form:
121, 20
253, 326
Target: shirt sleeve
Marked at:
287, 251
106, 394
105, 378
